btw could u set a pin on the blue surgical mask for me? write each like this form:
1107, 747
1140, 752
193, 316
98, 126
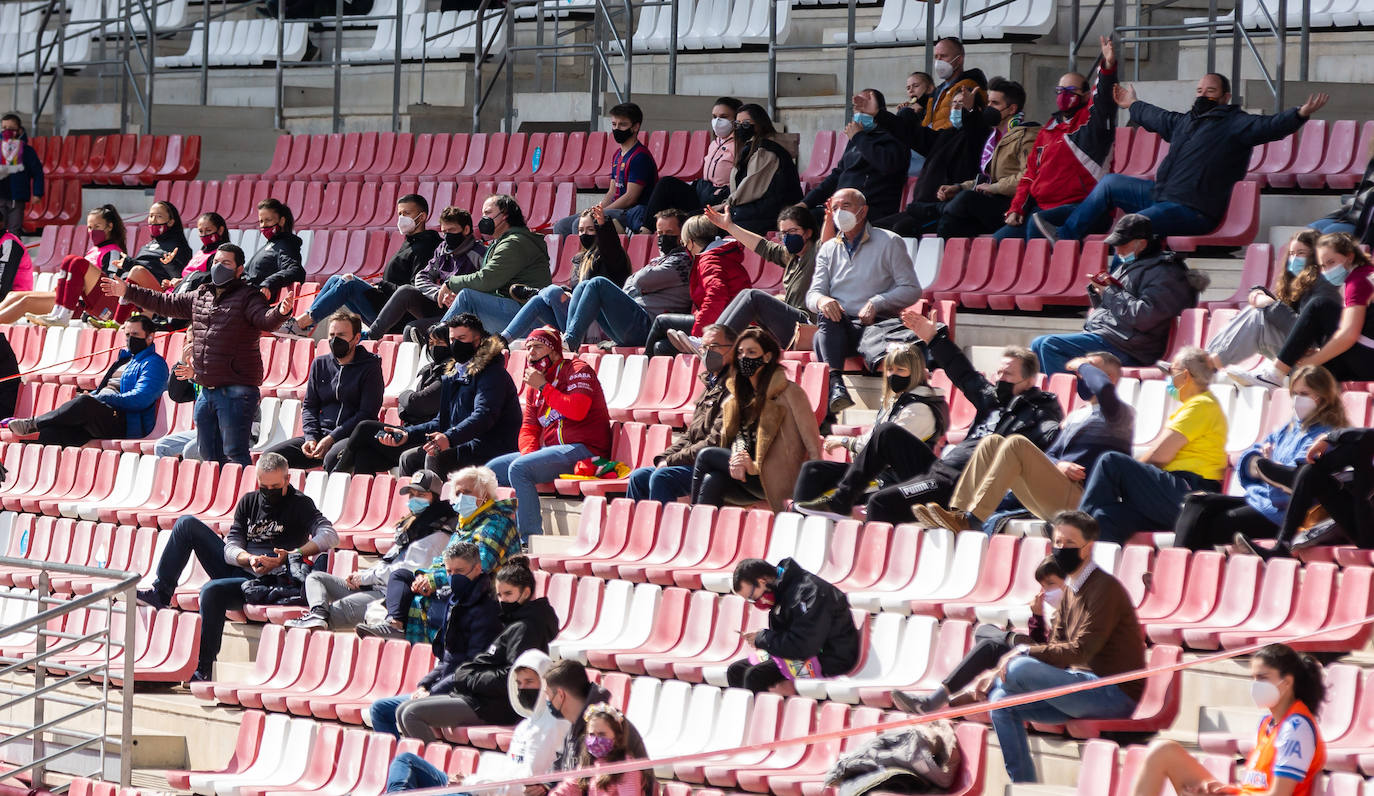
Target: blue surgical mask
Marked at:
1336, 275
417, 505
956, 118
1126, 259
464, 505
1171, 389
864, 120
793, 242
1296, 264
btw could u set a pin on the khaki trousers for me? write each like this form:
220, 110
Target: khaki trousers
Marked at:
1013, 464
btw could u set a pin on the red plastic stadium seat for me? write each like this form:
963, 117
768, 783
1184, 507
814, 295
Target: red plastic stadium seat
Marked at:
1350, 176
1157, 708
822, 153
1340, 154
1005, 270
1238, 228
1034, 269
1307, 158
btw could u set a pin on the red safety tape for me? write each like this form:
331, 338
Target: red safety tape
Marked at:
834, 735
81, 358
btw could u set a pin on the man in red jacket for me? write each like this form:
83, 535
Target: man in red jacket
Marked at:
1071, 152
565, 421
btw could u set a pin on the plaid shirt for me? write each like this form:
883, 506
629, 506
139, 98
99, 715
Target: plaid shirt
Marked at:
492, 529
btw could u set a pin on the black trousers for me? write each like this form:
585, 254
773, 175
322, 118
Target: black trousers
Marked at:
295, 455
836, 341
657, 343
917, 219
1347, 503
79, 421
756, 677
406, 303
889, 447
990, 644
712, 484
1317, 321
442, 463
973, 213
817, 477
363, 454
398, 594
689, 197
1209, 519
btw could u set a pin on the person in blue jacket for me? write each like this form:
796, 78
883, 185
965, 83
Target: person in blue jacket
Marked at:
128, 411
479, 407
24, 184
1209, 152
1210, 519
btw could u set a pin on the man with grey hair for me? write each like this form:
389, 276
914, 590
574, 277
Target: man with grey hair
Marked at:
271, 523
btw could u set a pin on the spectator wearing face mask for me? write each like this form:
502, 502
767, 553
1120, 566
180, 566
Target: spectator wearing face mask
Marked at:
991, 644
565, 421
24, 184
278, 263
764, 179
810, 632
1209, 152
1071, 152
421, 534
108, 242
459, 252
609, 737
515, 256
16, 267
863, 275
717, 276
569, 693
670, 477
227, 318
599, 254
368, 449
271, 523
478, 415
1010, 404
874, 163
713, 187
343, 389
1133, 303
356, 293
125, 410
626, 314
212, 230
950, 78
633, 174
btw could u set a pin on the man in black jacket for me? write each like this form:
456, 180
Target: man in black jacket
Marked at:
569, 692
1209, 152
810, 630
343, 389
271, 523
1010, 405
874, 163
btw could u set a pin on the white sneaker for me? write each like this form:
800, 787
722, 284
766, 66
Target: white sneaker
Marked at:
686, 343
1266, 376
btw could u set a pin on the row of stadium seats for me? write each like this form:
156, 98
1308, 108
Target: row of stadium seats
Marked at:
128, 159
905, 20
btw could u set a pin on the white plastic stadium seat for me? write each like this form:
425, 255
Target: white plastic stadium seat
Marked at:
937, 550
956, 581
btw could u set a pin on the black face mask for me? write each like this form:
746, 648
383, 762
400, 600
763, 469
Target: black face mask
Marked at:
339, 347
713, 362
1005, 392
793, 243
621, 136
666, 243
553, 711
1202, 105
744, 130
486, 226
587, 241
991, 116
1069, 559
439, 353
137, 344
221, 274
272, 496
462, 351
454, 239
527, 697
898, 383
748, 366
509, 611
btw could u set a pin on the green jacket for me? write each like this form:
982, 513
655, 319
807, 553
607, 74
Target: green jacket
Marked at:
517, 257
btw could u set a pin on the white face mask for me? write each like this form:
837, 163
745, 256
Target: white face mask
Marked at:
722, 127
1304, 406
405, 224
1264, 694
1053, 596
943, 70
845, 219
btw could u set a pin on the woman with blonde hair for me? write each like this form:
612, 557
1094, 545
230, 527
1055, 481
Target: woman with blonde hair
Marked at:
1210, 519
908, 400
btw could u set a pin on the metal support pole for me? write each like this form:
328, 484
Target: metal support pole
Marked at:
126, 702
1281, 55
672, 48
539, 39
849, 64
1305, 42
337, 121
476, 91
57, 76
396, 70
424, 54
149, 73
930, 38
962, 8
772, 55
205, 58
627, 50
508, 19
40, 679
1211, 36
1074, 22
124, 70
1237, 33
279, 118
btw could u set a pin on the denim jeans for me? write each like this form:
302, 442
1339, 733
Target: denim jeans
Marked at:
1029, 231
599, 300
664, 484
495, 312
1126, 496
178, 443
224, 419
221, 593
1132, 195
1055, 350
631, 218
774, 315
339, 292
1329, 226
411, 772
549, 307
1026, 674
525, 471
384, 714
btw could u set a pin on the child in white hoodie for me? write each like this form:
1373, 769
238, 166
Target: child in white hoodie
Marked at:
533, 745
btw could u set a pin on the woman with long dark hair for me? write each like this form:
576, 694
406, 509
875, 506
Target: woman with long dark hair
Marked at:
765, 177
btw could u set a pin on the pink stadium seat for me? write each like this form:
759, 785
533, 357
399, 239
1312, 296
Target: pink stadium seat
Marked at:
1006, 271
1339, 156
595, 162
1069, 270
245, 751
306, 150
1237, 592
1238, 228
1141, 160
1307, 158
1157, 708
1257, 270
1001, 567
1269, 608
1349, 177
1030, 276
822, 153
550, 157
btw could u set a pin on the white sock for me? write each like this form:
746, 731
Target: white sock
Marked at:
60, 313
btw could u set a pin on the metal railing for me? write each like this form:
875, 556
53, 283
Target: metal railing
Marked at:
36, 676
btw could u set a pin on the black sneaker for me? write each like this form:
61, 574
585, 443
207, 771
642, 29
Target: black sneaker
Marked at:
200, 676
1280, 475
821, 507
152, 597
522, 293
1245, 544
919, 705
839, 398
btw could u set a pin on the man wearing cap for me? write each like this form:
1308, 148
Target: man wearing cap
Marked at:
421, 534
565, 421
1134, 302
